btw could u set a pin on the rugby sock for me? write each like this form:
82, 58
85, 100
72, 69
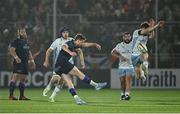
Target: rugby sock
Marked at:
21, 89
127, 93
49, 86
72, 91
86, 79
56, 90
11, 88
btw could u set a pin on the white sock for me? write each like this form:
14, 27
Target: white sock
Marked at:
49, 86
126, 93
145, 63
76, 96
93, 83
56, 90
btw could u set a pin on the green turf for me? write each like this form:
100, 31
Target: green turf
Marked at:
105, 101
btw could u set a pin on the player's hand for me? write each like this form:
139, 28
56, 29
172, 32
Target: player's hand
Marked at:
98, 46
161, 23
46, 64
18, 60
83, 66
32, 65
124, 58
73, 54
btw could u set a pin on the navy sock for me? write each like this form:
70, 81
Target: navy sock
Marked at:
86, 80
11, 88
21, 89
72, 91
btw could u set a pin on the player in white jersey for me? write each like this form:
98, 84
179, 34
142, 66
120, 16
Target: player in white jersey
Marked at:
56, 47
123, 51
140, 51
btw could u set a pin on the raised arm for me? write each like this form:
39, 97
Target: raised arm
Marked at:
87, 44
150, 29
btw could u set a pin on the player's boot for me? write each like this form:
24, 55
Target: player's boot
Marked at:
122, 97
12, 98
51, 99
100, 85
23, 98
127, 97
79, 101
45, 91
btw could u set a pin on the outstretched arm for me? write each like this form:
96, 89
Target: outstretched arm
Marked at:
150, 29
87, 44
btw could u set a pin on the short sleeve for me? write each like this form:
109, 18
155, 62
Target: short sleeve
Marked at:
117, 48
54, 45
14, 44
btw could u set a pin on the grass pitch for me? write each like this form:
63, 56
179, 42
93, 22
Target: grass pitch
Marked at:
104, 101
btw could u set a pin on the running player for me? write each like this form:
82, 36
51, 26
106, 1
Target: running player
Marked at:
123, 51
63, 66
20, 50
140, 52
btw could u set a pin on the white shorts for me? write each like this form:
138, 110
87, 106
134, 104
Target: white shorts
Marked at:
126, 72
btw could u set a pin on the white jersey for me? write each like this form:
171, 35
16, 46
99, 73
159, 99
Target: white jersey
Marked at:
56, 47
125, 50
138, 38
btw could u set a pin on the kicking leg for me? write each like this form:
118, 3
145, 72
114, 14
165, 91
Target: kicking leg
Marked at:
76, 72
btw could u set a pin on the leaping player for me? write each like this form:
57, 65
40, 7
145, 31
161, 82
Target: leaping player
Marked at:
140, 51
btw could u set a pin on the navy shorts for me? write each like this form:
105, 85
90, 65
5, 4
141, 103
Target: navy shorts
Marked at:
63, 66
21, 68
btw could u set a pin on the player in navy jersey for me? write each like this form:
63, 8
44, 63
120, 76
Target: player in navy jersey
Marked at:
20, 50
63, 66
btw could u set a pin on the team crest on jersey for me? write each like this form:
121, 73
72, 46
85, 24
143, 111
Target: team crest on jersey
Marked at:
26, 46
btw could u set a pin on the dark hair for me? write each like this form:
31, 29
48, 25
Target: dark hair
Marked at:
126, 33
144, 25
61, 30
80, 36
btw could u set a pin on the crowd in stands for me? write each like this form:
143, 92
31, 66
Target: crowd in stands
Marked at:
101, 22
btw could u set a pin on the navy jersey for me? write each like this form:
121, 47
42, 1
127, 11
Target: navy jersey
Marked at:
22, 49
62, 64
71, 46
